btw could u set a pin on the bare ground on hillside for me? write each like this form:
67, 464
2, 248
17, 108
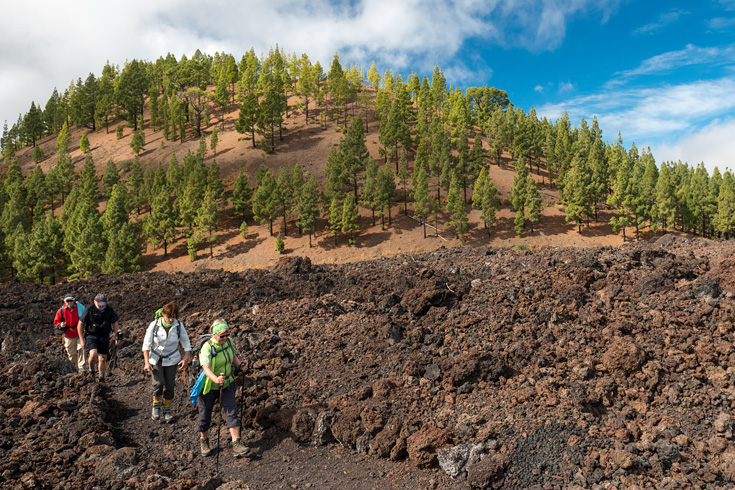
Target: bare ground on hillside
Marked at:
309, 145
600, 368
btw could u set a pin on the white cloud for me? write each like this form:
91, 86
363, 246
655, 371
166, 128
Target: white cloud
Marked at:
672, 60
712, 144
664, 20
51, 44
566, 87
677, 121
538, 88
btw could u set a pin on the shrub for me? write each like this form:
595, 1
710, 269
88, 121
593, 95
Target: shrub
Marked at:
244, 231
119, 132
280, 246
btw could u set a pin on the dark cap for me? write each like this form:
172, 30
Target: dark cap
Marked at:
101, 298
69, 297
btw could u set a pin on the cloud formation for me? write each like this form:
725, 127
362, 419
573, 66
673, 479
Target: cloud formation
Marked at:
49, 45
664, 20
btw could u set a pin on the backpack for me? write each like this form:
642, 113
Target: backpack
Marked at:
80, 310
102, 328
202, 340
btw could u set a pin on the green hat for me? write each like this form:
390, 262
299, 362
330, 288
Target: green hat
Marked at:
217, 327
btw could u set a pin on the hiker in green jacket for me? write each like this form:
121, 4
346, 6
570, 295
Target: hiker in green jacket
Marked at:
219, 360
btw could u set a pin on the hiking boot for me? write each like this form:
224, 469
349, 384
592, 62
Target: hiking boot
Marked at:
101, 379
156, 412
167, 415
204, 446
238, 448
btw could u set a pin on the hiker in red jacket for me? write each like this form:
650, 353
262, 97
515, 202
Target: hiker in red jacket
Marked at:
66, 320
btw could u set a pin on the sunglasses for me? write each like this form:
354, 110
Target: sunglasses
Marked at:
223, 335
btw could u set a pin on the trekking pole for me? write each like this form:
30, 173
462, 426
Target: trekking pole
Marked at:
219, 426
242, 394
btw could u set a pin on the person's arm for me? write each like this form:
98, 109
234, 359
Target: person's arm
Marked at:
186, 345
207, 368
80, 331
147, 346
59, 320
118, 334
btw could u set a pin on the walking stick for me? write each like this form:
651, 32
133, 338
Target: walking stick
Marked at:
219, 426
242, 394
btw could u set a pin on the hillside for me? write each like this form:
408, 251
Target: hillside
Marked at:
454, 369
309, 145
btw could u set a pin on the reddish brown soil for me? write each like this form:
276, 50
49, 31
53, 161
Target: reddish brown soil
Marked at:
309, 145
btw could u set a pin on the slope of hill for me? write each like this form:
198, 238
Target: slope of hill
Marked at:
596, 368
309, 145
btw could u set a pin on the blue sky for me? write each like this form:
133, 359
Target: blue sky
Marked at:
661, 73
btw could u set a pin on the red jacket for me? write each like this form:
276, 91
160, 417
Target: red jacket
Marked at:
70, 317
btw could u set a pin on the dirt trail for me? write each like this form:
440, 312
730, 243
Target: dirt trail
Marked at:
277, 461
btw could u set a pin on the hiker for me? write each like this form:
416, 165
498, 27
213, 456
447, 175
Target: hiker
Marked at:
161, 357
95, 326
219, 360
66, 320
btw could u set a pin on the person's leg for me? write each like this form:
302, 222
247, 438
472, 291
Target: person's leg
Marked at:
229, 405
103, 351
81, 365
205, 403
92, 359
157, 382
169, 375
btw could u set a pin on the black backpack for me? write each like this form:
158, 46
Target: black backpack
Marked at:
97, 325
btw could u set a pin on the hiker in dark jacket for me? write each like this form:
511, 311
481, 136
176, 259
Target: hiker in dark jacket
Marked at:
161, 357
97, 323
66, 320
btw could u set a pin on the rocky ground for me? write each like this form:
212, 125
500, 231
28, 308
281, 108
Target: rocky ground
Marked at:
463, 368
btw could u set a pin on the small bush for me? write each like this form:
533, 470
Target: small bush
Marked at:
244, 231
280, 246
119, 132
191, 247
37, 154
522, 246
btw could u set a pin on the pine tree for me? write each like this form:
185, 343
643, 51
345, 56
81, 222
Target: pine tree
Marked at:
84, 240
242, 195
109, 179
160, 225
265, 199
577, 191
370, 188
336, 210
37, 190
479, 189
386, 194
63, 141
123, 252
518, 195
138, 142
355, 155
350, 218
247, 118
422, 205
208, 220
213, 141
490, 205
533, 206
457, 210
84, 143
724, 220
135, 185
308, 206
88, 180
403, 175
335, 174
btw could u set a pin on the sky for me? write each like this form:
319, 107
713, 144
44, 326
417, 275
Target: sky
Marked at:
660, 73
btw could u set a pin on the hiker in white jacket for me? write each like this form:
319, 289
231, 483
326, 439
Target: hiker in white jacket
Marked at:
161, 357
